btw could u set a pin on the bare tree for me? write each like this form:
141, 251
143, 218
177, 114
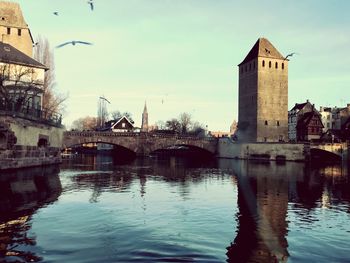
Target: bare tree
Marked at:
19, 86
185, 121
173, 125
52, 100
85, 123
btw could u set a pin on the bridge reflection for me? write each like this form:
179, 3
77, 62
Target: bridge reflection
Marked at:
22, 193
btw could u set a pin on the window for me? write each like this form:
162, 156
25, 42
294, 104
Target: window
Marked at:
282, 65
276, 65
269, 64
265, 139
19, 31
8, 30
278, 123
266, 123
263, 63
123, 125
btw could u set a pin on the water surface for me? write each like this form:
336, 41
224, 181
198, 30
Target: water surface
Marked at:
92, 209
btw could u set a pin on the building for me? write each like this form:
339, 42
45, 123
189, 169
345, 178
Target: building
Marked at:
21, 80
309, 126
294, 115
334, 118
123, 124
27, 131
13, 28
304, 122
144, 125
263, 95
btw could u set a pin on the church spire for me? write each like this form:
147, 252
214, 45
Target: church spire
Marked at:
144, 125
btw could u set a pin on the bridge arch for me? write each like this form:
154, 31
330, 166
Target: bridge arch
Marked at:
324, 155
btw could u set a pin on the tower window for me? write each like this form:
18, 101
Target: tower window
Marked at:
278, 123
19, 32
282, 65
276, 65
263, 63
8, 30
269, 64
266, 123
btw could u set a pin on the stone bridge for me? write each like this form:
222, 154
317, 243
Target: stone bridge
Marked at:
336, 149
141, 143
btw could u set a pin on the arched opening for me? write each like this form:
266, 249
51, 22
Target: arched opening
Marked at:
319, 155
188, 152
270, 64
3, 140
276, 65
102, 152
42, 142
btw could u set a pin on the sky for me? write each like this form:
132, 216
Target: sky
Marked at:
182, 55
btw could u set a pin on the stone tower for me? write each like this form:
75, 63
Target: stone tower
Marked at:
13, 28
144, 125
263, 95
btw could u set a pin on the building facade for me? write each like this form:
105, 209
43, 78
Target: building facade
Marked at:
13, 28
263, 95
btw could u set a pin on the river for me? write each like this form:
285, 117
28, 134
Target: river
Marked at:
96, 209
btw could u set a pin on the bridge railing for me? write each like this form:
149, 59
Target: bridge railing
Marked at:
135, 134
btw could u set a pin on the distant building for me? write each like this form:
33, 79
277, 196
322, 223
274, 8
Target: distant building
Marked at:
233, 127
123, 124
263, 95
144, 125
219, 134
13, 28
336, 123
334, 118
309, 127
304, 122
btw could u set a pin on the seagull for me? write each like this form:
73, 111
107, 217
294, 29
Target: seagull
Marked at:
291, 54
91, 3
74, 42
55, 13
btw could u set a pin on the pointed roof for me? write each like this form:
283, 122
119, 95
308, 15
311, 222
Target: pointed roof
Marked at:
145, 108
11, 55
11, 15
262, 48
307, 117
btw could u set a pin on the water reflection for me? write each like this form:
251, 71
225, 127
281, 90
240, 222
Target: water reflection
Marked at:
265, 192
22, 193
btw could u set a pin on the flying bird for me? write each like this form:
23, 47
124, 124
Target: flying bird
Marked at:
291, 54
74, 42
91, 3
55, 13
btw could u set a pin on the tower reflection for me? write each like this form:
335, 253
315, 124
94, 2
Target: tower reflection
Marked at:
22, 193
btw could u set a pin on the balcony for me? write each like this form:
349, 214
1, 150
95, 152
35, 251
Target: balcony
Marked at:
37, 115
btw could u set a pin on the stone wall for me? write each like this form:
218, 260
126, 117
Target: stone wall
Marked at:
28, 132
264, 151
